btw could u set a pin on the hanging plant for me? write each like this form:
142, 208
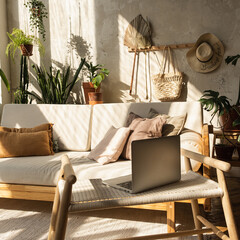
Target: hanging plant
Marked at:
37, 12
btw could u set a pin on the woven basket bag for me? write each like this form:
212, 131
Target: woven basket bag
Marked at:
167, 86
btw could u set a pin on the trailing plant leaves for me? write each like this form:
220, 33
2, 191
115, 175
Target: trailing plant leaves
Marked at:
37, 12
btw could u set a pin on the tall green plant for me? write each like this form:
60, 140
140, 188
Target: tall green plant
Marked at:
55, 88
21, 94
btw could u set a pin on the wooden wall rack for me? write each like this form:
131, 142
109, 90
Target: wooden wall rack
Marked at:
161, 47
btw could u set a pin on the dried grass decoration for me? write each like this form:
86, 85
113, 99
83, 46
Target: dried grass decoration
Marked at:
138, 34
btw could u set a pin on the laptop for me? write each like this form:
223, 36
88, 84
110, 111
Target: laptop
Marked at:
155, 162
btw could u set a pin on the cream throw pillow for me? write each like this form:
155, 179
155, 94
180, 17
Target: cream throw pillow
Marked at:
173, 126
111, 146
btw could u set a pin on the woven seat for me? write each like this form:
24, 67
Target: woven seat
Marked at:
93, 194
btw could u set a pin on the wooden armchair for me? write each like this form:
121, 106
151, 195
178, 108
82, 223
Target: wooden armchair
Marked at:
71, 198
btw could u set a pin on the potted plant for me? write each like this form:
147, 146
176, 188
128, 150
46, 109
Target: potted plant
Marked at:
37, 12
55, 88
96, 74
22, 41
213, 102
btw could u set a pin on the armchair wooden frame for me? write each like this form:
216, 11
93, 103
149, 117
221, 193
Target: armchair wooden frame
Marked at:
62, 203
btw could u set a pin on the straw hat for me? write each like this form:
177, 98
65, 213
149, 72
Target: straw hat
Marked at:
206, 54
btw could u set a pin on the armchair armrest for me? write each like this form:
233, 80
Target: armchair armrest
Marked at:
212, 162
67, 170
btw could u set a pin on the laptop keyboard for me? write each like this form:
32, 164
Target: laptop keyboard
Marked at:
127, 185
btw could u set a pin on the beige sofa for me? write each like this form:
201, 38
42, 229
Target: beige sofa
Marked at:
78, 129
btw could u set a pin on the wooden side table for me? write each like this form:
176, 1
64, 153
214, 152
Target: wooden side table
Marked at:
231, 135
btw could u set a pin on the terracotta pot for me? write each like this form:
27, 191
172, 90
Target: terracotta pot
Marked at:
227, 119
95, 98
26, 49
88, 87
224, 151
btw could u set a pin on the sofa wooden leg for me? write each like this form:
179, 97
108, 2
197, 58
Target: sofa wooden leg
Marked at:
196, 212
171, 217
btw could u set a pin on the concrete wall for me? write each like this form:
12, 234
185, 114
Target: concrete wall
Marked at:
4, 62
95, 29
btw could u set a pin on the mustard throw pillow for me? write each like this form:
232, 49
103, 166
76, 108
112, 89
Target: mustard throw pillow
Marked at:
14, 144
43, 127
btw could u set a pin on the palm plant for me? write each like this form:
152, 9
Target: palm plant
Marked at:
55, 88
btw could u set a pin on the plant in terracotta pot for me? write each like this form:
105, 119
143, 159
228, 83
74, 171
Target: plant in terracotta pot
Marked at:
22, 41
96, 74
213, 102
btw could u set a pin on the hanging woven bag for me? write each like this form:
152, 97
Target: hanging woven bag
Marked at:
167, 86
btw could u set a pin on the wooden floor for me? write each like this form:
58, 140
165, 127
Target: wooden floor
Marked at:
216, 214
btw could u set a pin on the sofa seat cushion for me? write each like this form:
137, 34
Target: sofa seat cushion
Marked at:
44, 170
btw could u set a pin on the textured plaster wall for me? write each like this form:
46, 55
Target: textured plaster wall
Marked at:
95, 28
4, 62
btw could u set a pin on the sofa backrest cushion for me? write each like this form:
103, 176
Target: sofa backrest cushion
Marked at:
116, 114
71, 122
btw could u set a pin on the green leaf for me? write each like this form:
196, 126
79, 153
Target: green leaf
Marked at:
4, 78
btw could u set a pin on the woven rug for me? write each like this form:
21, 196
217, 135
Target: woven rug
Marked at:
29, 220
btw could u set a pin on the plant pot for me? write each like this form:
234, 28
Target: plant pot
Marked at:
238, 150
95, 98
88, 87
224, 152
227, 119
26, 49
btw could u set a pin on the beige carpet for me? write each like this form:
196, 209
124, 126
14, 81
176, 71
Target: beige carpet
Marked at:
29, 220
